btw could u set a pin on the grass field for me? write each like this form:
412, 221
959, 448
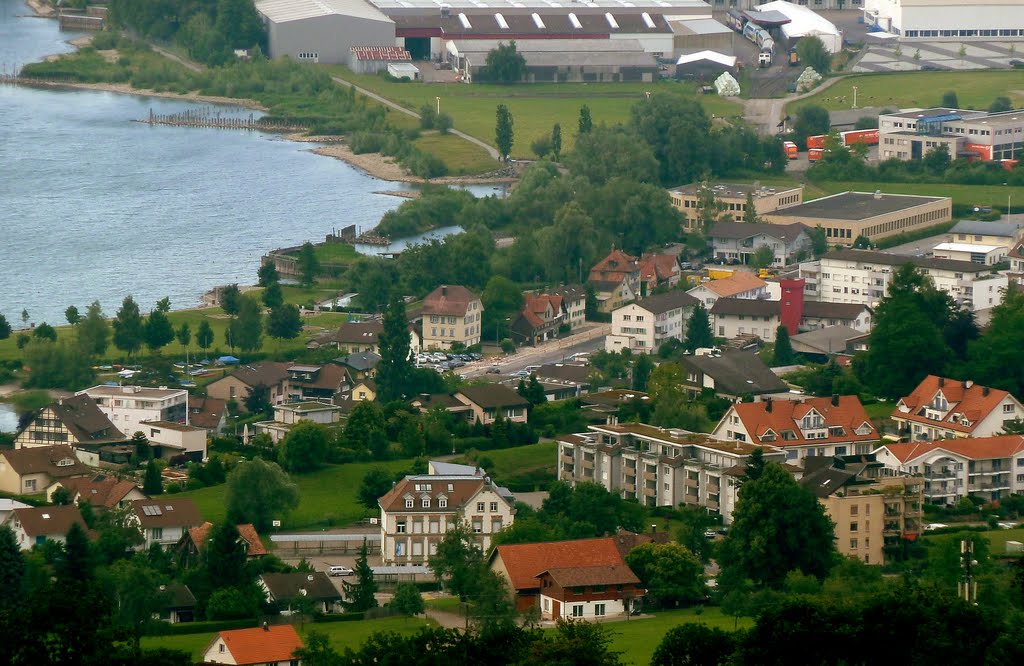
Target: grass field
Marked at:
879, 411
967, 195
535, 107
975, 89
521, 461
461, 156
638, 638
341, 634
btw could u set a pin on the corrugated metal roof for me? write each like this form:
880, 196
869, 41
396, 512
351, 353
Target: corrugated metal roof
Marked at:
283, 11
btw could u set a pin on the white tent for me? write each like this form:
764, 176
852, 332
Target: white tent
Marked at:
713, 56
804, 22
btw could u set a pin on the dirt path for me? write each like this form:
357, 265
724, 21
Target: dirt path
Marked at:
765, 114
184, 62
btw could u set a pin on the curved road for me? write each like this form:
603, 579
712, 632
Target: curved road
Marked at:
383, 100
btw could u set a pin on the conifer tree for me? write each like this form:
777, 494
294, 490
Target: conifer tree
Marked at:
361, 594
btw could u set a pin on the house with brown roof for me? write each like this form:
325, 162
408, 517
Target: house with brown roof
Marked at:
574, 303
164, 520
643, 326
835, 426
451, 314
658, 270
195, 539
734, 375
102, 491
283, 589
315, 382
741, 284
418, 510
35, 526
616, 279
738, 241
78, 423
33, 470
942, 408
427, 401
489, 402
210, 414
351, 337
271, 376
567, 572
734, 317
538, 320
269, 645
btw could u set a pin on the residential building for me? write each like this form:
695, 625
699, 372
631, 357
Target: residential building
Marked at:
658, 270
286, 416
9, 505
522, 565
835, 426
538, 320
574, 304
180, 606
80, 424
643, 326
564, 380
741, 284
979, 232
427, 401
489, 402
170, 440
734, 317
451, 314
823, 344
986, 255
588, 592
315, 382
417, 512
847, 216
128, 406
657, 466
976, 135
195, 539
941, 408
32, 470
209, 414
164, 520
35, 526
734, 375
616, 280
738, 241
863, 276
365, 389
269, 376
1016, 257
269, 645
732, 198
873, 515
985, 468
102, 492
351, 337
604, 406
359, 366
284, 589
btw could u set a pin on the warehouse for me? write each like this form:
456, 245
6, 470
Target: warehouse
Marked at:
804, 22
948, 19
910, 135
849, 215
563, 60
324, 30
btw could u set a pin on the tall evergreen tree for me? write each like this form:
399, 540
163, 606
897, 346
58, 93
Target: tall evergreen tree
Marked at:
5, 328
272, 295
308, 264
268, 275
698, 329
184, 336
246, 329
12, 569
229, 299
93, 331
142, 448
360, 595
504, 135
129, 327
556, 140
585, 122
158, 331
152, 484
784, 354
224, 556
204, 335
643, 366
394, 371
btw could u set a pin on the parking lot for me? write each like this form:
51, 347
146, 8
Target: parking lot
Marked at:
910, 56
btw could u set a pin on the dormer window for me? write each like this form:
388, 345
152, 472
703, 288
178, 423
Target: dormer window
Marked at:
940, 403
425, 502
408, 503
443, 503
812, 420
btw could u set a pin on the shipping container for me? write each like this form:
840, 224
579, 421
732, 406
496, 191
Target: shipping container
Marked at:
794, 59
817, 141
868, 136
814, 154
791, 149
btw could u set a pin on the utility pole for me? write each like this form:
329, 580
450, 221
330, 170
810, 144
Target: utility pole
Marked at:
967, 588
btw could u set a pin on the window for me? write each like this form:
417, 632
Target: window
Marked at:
408, 503
156, 533
399, 549
854, 527
425, 503
221, 648
435, 527
400, 527
1008, 409
417, 549
480, 507
577, 610
854, 510
853, 544
494, 507
443, 503
478, 526
496, 525
30, 485
547, 605
599, 609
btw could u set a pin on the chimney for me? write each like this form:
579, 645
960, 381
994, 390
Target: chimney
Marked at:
968, 384
768, 405
444, 290
985, 390
942, 381
835, 399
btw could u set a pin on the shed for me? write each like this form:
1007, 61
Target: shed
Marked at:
404, 70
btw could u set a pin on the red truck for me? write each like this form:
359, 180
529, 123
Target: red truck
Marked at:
814, 154
817, 141
790, 148
868, 136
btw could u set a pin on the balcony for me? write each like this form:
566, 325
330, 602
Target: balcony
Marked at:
650, 492
986, 472
692, 483
650, 476
987, 487
588, 464
629, 471
712, 505
568, 459
938, 476
629, 488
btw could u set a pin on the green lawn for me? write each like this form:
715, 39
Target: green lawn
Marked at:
879, 411
335, 253
997, 539
638, 638
341, 634
967, 195
461, 156
521, 461
535, 107
974, 89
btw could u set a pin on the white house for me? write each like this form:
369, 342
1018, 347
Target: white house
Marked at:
287, 415
740, 240
128, 406
164, 520
34, 526
645, 325
741, 284
269, 645
732, 317
941, 408
169, 439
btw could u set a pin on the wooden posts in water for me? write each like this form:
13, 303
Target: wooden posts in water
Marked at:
210, 117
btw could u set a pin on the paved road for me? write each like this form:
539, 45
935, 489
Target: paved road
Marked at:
552, 352
401, 109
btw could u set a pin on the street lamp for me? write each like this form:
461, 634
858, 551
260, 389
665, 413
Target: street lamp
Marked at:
855, 97
438, 105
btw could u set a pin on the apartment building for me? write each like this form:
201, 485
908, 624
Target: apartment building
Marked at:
417, 512
733, 317
732, 198
741, 284
863, 276
451, 314
80, 424
644, 326
657, 466
738, 241
910, 135
986, 468
129, 406
942, 408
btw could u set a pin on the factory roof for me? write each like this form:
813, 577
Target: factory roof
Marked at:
454, 6
699, 26
981, 227
283, 11
855, 206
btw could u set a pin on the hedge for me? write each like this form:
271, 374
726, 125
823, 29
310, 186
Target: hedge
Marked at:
213, 626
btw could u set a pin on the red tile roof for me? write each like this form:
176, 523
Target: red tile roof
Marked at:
461, 491
966, 400
261, 645
247, 531
737, 283
206, 412
525, 561
100, 491
448, 300
658, 267
973, 448
616, 574
614, 268
785, 415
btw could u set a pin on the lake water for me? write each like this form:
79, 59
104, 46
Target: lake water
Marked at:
8, 418
94, 206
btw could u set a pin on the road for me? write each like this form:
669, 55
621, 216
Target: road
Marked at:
552, 352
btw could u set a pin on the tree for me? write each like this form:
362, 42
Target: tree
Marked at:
308, 264
989, 357
811, 120
763, 257
574, 642
504, 64
229, 299
605, 153
204, 335
158, 331
56, 365
184, 336
24, 317
365, 429
671, 574
361, 595
129, 328
937, 159
259, 491
532, 391
224, 556
949, 100
12, 570
556, 140
750, 210
72, 315
153, 484
541, 146
504, 135
458, 560
60, 497
408, 600
45, 332
643, 366
305, 447
137, 598
267, 275
93, 331
778, 526
783, 348
284, 322
677, 129
164, 304
585, 124
1000, 104
812, 52
394, 370
694, 523
141, 446
273, 295
698, 329
5, 328
444, 123
694, 644
376, 483
246, 330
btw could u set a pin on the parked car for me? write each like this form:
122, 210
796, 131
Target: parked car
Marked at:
934, 526
494, 370
338, 570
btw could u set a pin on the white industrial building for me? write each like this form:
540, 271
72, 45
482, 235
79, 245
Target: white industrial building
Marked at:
804, 22
323, 30
950, 19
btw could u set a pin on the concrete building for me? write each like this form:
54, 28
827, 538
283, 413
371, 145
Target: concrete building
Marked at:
947, 19
565, 60
735, 317
739, 241
741, 284
451, 314
170, 440
911, 134
733, 199
324, 30
129, 406
286, 416
658, 466
643, 326
863, 276
849, 215
941, 408
986, 255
